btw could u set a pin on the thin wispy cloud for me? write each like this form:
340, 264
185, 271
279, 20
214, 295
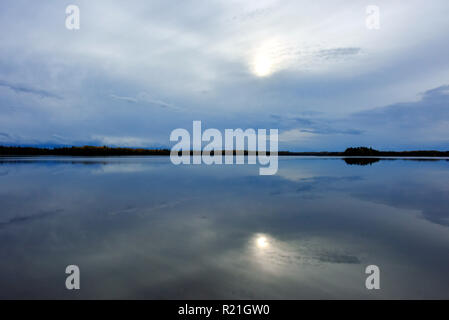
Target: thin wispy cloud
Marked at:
120, 141
337, 53
126, 99
20, 88
145, 99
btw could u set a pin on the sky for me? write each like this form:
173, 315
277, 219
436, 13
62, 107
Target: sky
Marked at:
136, 70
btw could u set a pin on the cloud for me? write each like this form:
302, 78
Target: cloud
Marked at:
332, 257
5, 135
120, 141
144, 97
327, 130
161, 58
19, 88
431, 109
336, 53
441, 91
253, 14
127, 99
26, 219
304, 121
421, 124
309, 126
295, 135
423, 193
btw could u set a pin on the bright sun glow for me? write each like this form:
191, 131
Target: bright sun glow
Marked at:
263, 65
265, 57
262, 242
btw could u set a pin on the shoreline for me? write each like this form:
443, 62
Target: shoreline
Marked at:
93, 151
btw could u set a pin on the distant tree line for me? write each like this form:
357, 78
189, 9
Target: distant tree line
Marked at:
87, 151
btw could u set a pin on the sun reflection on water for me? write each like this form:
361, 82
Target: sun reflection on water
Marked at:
262, 242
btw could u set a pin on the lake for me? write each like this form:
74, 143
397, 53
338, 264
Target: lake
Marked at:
143, 228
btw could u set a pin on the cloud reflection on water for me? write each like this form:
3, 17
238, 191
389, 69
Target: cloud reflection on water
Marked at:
208, 232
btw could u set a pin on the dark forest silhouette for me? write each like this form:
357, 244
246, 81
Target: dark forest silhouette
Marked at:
87, 151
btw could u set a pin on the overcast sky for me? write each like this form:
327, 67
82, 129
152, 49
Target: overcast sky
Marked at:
136, 70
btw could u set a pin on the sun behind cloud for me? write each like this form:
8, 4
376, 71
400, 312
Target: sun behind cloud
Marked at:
263, 66
264, 60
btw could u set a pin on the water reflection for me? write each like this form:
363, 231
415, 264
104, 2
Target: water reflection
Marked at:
364, 161
361, 161
262, 242
273, 255
143, 228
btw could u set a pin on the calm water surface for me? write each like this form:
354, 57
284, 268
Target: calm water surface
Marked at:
144, 228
